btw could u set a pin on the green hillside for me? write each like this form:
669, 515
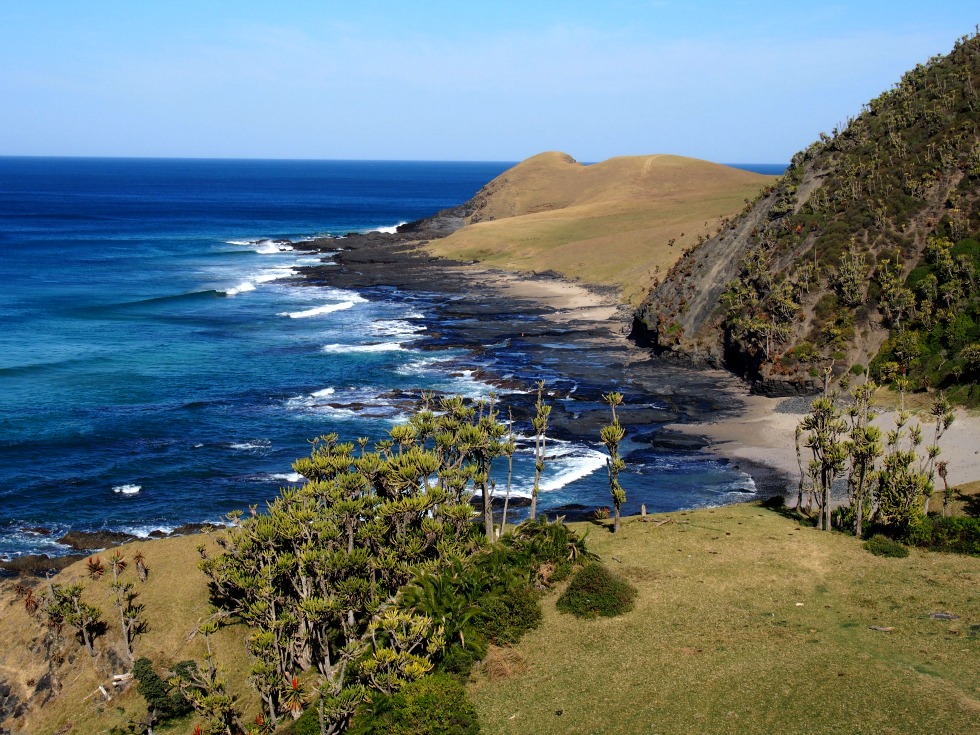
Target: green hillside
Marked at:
865, 252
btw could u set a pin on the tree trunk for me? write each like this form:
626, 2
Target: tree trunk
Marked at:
487, 510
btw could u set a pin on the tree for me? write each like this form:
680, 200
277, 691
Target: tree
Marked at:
316, 576
207, 692
163, 701
611, 435
131, 620
849, 278
540, 425
863, 449
826, 427
62, 604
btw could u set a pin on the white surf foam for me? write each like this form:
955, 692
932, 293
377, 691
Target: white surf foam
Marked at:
580, 462
323, 393
251, 446
240, 288
127, 489
378, 347
274, 274
145, 531
422, 365
268, 247
287, 477
396, 328
318, 310
390, 230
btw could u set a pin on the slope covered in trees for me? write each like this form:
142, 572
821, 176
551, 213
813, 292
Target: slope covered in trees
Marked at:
865, 252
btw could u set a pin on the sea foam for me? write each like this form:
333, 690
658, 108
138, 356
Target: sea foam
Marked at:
318, 310
389, 230
127, 489
240, 288
377, 347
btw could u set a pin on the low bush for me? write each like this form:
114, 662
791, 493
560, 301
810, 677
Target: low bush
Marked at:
957, 534
433, 705
163, 702
881, 545
596, 592
505, 618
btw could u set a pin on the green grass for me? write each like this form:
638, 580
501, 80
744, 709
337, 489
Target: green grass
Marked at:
747, 622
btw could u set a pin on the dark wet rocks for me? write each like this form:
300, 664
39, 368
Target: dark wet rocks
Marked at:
37, 565
94, 540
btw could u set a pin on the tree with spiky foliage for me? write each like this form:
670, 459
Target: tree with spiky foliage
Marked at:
509, 447
611, 435
207, 692
825, 427
131, 620
314, 576
540, 425
863, 449
62, 605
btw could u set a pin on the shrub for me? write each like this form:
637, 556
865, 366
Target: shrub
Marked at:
458, 661
505, 618
432, 705
881, 545
596, 592
957, 534
162, 700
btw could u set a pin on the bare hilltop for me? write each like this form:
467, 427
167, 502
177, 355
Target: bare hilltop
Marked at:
617, 223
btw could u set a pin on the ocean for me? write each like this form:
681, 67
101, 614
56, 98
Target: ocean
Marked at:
162, 361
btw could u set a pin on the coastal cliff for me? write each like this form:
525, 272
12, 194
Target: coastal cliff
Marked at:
868, 240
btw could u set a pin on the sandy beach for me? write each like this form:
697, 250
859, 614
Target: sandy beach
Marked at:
765, 434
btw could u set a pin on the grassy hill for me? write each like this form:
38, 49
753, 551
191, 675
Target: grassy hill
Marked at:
616, 223
176, 599
746, 623
865, 253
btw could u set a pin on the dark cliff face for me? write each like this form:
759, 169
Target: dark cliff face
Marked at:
819, 270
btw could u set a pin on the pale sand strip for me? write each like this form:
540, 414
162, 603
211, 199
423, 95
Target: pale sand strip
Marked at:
763, 435
759, 434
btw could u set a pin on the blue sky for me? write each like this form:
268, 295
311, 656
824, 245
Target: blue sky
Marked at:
370, 79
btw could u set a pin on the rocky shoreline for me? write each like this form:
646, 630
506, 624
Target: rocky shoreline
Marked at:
515, 332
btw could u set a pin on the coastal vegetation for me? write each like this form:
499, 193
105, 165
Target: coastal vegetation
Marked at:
891, 476
367, 599
379, 597
863, 256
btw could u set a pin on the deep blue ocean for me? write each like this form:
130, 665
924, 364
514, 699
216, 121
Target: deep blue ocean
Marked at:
160, 364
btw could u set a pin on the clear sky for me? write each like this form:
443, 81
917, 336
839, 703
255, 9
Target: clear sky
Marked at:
724, 80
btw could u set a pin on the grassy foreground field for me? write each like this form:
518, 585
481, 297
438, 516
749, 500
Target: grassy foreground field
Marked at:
748, 623
176, 599
608, 223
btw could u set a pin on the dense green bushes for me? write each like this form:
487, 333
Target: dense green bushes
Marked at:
434, 705
597, 592
163, 702
881, 545
492, 597
957, 534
